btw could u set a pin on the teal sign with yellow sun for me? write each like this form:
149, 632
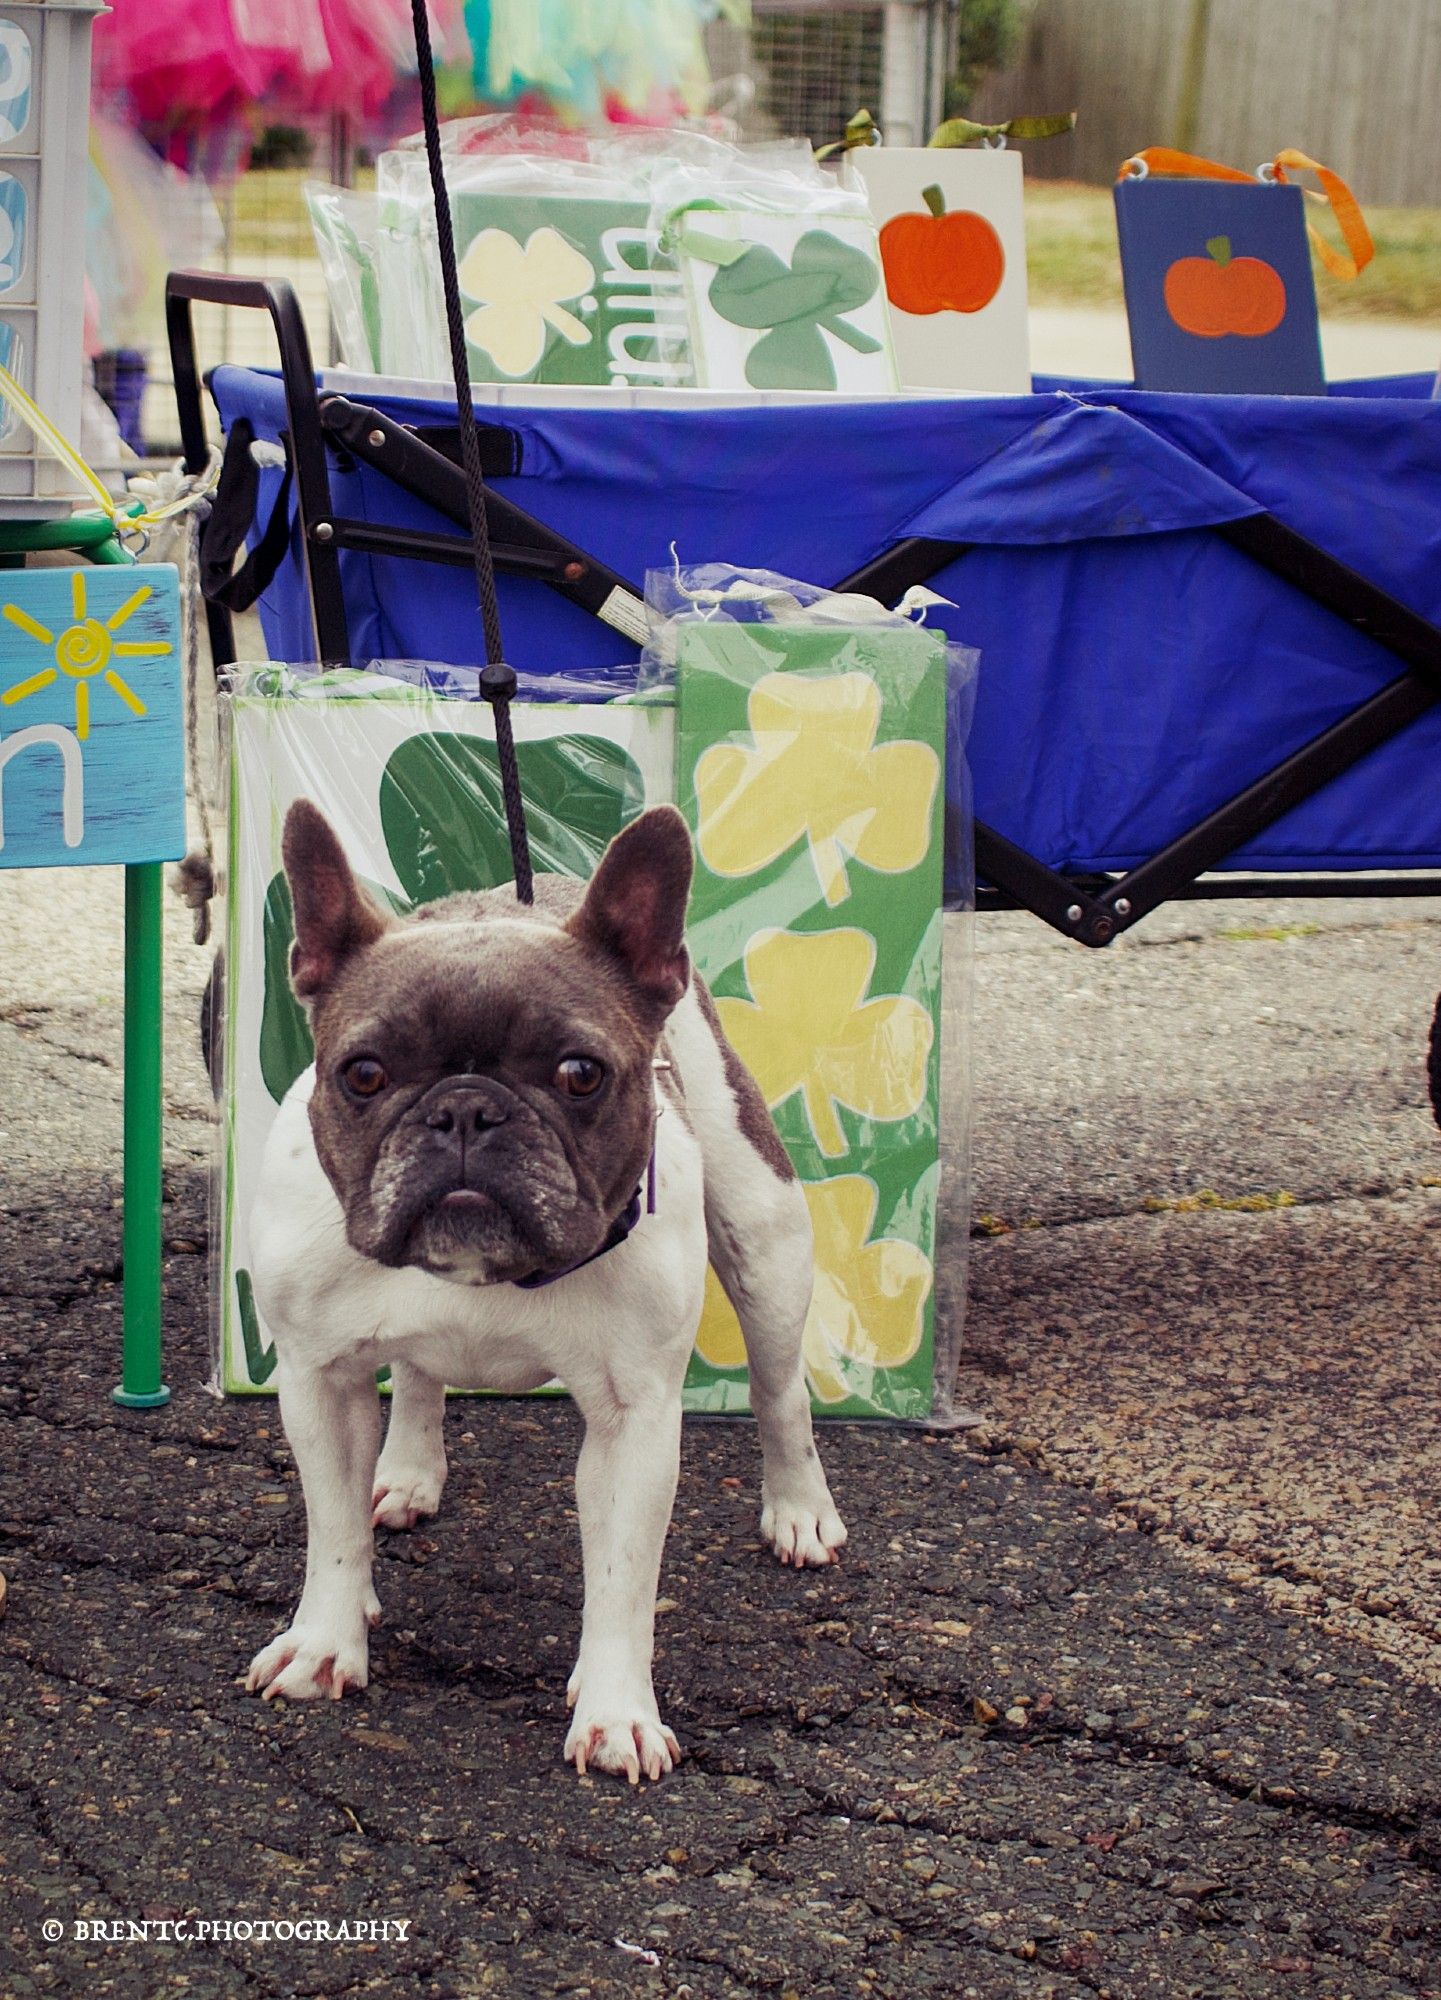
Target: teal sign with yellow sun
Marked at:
92, 749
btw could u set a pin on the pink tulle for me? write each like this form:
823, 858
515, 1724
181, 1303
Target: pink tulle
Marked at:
174, 61
195, 63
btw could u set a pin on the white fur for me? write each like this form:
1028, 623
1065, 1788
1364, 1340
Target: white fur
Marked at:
618, 1333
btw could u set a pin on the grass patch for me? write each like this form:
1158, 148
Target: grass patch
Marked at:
1237, 1204
1071, 254
267, 215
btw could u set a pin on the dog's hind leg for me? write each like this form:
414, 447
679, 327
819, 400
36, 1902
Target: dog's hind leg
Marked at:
762, 1256
760, 1245
411, 1474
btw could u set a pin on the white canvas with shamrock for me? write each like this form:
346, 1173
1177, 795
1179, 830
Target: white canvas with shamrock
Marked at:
789, 301
334, 739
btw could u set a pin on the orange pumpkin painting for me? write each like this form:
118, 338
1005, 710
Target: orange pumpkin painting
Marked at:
940, 261
1219, 293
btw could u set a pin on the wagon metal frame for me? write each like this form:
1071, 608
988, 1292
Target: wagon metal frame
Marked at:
1093, 909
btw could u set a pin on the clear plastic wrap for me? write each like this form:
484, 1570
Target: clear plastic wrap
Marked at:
408, 776
345, 226
555, 256
757, 596
579, 684
625, 259
401, 758
820, 759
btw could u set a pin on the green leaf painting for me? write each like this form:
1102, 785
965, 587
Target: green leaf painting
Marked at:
260, 1356
285, 1044
443, 816
825, 279
443, 812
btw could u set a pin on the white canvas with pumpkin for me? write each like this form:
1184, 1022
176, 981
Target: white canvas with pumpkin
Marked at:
953, 246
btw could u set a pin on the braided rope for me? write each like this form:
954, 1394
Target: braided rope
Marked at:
497, 680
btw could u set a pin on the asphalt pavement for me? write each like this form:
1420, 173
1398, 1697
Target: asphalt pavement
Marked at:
1131, 1689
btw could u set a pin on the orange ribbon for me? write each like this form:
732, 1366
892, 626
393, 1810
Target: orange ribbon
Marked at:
1359, 251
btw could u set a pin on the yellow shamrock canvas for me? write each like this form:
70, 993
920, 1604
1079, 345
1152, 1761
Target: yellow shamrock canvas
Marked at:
814, 766
809, 763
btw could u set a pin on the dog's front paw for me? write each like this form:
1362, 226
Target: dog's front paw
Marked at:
625, 1735
403, 1493
805, 1530
310, 1661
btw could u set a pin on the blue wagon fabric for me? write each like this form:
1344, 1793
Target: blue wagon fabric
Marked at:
1136, 670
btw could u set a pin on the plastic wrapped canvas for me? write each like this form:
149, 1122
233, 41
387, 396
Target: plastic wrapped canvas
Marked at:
785, 301
409, 778
559, 288
810, 766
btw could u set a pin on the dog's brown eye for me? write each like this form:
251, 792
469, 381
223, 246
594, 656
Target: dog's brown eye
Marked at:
578, 1076
364, 1077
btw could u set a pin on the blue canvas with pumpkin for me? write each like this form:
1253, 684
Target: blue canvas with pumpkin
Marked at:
1220, 294
92, 747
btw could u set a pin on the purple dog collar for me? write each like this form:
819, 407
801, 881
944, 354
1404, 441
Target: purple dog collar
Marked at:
641, 1202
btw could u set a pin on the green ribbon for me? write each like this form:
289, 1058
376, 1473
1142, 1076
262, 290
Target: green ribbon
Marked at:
680, 232
708, 249
965, 131
861, 130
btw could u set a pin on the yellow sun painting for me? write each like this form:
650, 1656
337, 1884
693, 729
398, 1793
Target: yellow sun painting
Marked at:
83, 652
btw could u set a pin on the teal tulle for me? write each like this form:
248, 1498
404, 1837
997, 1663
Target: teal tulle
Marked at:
591, 55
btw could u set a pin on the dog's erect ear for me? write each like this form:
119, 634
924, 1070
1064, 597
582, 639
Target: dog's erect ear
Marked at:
635, 906
333, 915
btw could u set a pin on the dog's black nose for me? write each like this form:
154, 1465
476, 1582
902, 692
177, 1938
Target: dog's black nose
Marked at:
466, 1112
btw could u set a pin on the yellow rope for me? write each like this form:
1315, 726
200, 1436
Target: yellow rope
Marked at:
60, 447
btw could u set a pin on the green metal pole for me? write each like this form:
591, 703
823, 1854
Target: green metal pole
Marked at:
140, 1386
113, 552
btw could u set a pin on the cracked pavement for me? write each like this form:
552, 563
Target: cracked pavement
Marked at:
1132, 1690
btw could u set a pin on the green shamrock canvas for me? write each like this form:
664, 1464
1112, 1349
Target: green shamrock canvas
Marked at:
561, 288
809, 765
785, 302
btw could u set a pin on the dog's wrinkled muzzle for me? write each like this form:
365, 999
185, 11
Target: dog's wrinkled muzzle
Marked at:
458, 1119
473, 1183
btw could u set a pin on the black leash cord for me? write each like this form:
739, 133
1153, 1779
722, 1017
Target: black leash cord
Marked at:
497, 680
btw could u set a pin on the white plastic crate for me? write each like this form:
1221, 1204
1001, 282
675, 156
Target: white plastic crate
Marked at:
44, 168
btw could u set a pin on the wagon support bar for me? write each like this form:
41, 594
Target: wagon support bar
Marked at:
1097, 912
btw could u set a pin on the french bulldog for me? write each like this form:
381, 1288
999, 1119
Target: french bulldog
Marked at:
523, 1135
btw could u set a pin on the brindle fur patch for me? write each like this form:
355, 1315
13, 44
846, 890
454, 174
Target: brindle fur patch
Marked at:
754, 1119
